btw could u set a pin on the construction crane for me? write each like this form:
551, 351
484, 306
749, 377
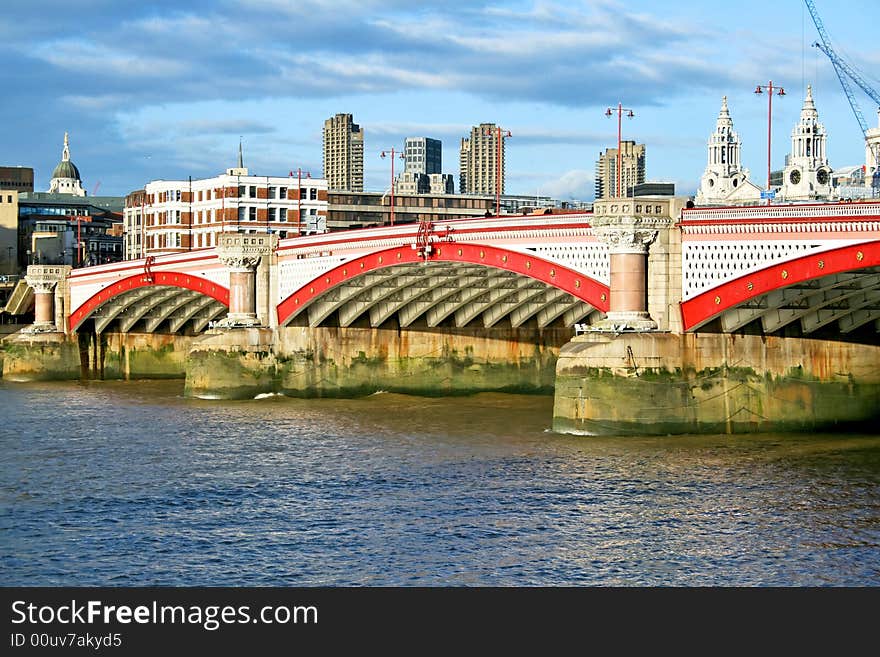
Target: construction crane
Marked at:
846, 73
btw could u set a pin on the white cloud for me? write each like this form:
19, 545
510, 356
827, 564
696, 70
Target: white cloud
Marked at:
575, 184
84, 57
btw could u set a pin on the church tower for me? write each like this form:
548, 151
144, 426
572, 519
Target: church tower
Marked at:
807, 174
65, 177
725, 181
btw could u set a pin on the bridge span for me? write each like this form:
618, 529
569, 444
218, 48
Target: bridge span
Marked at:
715, 299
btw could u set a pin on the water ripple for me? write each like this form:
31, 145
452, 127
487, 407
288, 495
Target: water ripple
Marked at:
131, 484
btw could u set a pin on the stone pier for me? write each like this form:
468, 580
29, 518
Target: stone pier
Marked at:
664, 383
236, 358
42, 351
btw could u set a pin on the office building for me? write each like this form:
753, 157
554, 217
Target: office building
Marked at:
21, 179
423, 155
169, 216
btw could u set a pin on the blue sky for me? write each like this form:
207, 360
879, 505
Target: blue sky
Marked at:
164, 89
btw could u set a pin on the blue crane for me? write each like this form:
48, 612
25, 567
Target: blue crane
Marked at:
846, 73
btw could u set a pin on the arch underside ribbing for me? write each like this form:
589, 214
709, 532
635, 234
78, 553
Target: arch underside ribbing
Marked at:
840, 287
439, 292
164, 302
157, 309
851, 299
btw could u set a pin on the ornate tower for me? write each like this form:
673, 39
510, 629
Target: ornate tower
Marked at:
65, 177
807, 174
724, 178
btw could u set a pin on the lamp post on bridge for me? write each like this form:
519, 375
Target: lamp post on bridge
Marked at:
779, 92
629, 114
391, 153
500, 135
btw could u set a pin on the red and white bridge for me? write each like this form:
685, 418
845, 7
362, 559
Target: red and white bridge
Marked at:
814, 265
544, 269
811, 265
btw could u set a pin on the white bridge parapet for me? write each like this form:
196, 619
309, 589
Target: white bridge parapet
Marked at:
567, 239
793, 211
722, 244
88, 281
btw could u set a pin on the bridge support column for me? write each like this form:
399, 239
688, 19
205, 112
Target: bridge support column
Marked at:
42, 351
44, 279
628, 239
663, 383
242, 253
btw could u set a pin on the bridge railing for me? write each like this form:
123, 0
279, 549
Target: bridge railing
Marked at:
764, 212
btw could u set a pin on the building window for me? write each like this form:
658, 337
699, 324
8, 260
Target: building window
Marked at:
252, 214
313, 194
242, 213
282, 214
253, 191
240, 191
271, 192
272, 213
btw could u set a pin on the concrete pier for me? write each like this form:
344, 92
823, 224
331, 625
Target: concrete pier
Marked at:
660, 383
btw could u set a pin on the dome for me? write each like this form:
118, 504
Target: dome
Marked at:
66, 169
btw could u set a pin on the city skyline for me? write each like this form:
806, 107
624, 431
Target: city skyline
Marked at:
158, 101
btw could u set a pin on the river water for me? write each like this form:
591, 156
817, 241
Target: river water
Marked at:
128, 483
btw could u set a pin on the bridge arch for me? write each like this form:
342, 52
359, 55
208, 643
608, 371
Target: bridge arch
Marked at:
857, 263
154, 298
457, 280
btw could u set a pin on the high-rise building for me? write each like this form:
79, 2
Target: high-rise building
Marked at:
423, 155
343, 154
479, 163
807, 174
632, 169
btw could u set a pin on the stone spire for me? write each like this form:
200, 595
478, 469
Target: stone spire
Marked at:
65, 153
239, 170
725, 180
807, 174
808, 111
724, 119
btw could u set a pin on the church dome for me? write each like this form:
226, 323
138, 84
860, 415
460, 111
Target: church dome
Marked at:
66, 169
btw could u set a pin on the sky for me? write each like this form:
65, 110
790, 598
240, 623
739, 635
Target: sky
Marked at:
166, 89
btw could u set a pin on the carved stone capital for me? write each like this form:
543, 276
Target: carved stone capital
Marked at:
44, 278
239, 262
628, 234
242, 251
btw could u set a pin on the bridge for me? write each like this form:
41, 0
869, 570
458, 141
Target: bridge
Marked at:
688, 319
540, 269
809, 265
814, 265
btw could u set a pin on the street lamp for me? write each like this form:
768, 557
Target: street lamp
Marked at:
629, 114
499, 136
391, 153
779, 92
